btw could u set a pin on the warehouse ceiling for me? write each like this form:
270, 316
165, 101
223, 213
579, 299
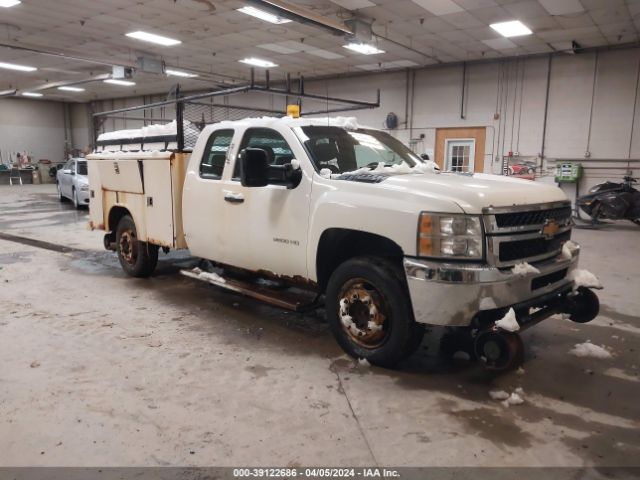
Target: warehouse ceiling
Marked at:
82, 38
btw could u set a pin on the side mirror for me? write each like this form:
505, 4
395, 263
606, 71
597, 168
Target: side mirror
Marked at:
66, 171
254, 167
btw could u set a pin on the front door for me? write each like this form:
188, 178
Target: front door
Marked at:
460, 155
267, 226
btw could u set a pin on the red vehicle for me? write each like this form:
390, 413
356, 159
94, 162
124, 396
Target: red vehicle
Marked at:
523, 168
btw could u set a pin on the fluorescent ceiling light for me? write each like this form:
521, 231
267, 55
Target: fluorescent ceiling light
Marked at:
31, 94
114, 81
71, 89
9, 3
256, 62
562, 7
153, 38
515, 28
439, 7
21, 68
179, 73
363, 48
262, 15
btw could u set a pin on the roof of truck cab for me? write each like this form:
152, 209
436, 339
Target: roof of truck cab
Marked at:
350, 123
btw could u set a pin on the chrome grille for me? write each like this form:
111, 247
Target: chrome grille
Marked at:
515, 234
520, 219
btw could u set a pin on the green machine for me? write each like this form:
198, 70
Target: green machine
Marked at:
568, 172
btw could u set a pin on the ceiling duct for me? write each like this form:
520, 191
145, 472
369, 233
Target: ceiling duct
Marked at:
150, 65
362, 30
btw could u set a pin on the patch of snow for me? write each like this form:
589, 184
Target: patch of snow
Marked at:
588, 349
155, 130
363, 362
373, 326
397, 169
509, 322
498, 395
568, 248
514, 399
524, 269
487, 303
520, 371
209, 276
584, 278
519, 391
460, 355
325, 173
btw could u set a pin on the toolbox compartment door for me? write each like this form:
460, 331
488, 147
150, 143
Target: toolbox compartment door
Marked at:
121, 175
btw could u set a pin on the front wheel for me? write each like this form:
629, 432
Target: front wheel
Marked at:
60, 196
369, 311
74, 195
138, 259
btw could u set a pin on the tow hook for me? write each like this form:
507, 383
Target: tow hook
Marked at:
582, 305
109, 241
499, 350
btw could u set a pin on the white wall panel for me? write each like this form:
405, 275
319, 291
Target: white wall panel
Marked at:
613, 104
569, 105
34, 126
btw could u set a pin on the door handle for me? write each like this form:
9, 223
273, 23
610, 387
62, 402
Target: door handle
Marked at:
234, 198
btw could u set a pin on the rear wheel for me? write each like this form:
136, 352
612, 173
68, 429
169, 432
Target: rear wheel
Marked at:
138, 259
369, 311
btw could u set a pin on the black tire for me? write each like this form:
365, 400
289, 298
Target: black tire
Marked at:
584, 306
138, 259
377, 294
74, 198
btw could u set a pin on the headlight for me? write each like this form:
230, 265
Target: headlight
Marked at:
454, 236
83, 187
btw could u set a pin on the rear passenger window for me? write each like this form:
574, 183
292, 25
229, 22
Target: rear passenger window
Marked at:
215, 154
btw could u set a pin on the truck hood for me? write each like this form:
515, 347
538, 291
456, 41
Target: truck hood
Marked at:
474, 192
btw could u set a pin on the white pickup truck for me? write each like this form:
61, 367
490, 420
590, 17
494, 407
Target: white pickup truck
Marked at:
287, 209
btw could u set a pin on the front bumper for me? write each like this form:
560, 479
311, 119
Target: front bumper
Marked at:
452, 294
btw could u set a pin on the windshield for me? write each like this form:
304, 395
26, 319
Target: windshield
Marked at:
82, 168
341, 150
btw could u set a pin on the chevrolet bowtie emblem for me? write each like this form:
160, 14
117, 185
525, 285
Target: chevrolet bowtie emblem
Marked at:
550, 228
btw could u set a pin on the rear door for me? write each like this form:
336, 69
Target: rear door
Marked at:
202, 200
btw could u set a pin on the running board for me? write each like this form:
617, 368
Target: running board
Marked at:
283, 299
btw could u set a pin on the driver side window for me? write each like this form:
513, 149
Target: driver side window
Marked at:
277, 148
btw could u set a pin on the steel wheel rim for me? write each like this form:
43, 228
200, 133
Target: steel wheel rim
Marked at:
364, 314
127, 247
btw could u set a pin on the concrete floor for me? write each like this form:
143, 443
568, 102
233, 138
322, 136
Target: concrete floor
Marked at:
100, 369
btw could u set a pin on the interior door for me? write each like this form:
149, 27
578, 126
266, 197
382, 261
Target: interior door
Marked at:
267, 226
460, 155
